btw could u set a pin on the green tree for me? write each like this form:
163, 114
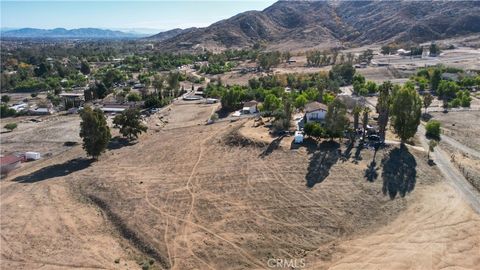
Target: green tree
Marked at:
300, 101
383, 107
99, 90
342, 73
173, 81
336, 120
268, 60
129, 123
356, 116
366, 112
315, 130
447, 89
371, 87
5, 111
434, 49
85, 68
94, 132
271, 103
358, 83
427, 101
406, 112
284, 117
433, 129
231, 98
435, 79
158, 84
134, 96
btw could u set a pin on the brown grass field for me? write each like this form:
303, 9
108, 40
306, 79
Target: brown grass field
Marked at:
192, 196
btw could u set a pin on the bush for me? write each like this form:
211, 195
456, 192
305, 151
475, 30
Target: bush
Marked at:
433, 129
5, 98
5, 111
11, 126
314, 130
134, 97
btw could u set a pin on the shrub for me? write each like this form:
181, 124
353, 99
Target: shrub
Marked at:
5, 98
134, 97
11, 126
5, 111
433, 129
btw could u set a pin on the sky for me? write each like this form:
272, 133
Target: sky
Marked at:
121, 15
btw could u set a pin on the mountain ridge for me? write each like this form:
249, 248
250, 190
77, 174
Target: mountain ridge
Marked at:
310, 24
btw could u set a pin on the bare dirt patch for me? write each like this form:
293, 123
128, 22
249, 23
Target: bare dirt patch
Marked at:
187, 199
461, 126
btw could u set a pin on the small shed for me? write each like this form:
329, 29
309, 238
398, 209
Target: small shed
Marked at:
250, 107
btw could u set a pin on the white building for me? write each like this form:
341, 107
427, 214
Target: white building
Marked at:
315, 112
250, 107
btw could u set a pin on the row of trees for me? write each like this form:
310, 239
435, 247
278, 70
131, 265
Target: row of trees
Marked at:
454, 92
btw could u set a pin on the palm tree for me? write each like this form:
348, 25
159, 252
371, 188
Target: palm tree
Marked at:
366, 111
356, 116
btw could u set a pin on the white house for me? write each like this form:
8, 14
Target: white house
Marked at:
315, 112
250, 107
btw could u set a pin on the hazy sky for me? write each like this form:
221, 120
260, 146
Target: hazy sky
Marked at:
122, 14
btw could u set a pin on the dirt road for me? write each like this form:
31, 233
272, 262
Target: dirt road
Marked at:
451, 173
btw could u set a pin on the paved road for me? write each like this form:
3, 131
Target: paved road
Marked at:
451, 173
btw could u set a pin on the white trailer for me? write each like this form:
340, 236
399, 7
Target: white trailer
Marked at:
32, 155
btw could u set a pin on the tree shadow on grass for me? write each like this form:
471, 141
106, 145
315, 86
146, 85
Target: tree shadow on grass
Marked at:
326, 155
119, 142
371, 172
399, 172
348, 152
56, 170
272, 146
358, 152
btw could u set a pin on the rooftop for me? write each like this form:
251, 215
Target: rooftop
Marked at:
9, 159
315, 106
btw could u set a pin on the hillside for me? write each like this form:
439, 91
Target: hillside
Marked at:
169, 34
65, 33
309, 24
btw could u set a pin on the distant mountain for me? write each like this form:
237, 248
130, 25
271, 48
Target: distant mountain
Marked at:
80, 33
307, 24
170, 34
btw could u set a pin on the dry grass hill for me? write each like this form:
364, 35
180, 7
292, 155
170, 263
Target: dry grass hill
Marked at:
307, 24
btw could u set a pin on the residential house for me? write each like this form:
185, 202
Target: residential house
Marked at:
315, 112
